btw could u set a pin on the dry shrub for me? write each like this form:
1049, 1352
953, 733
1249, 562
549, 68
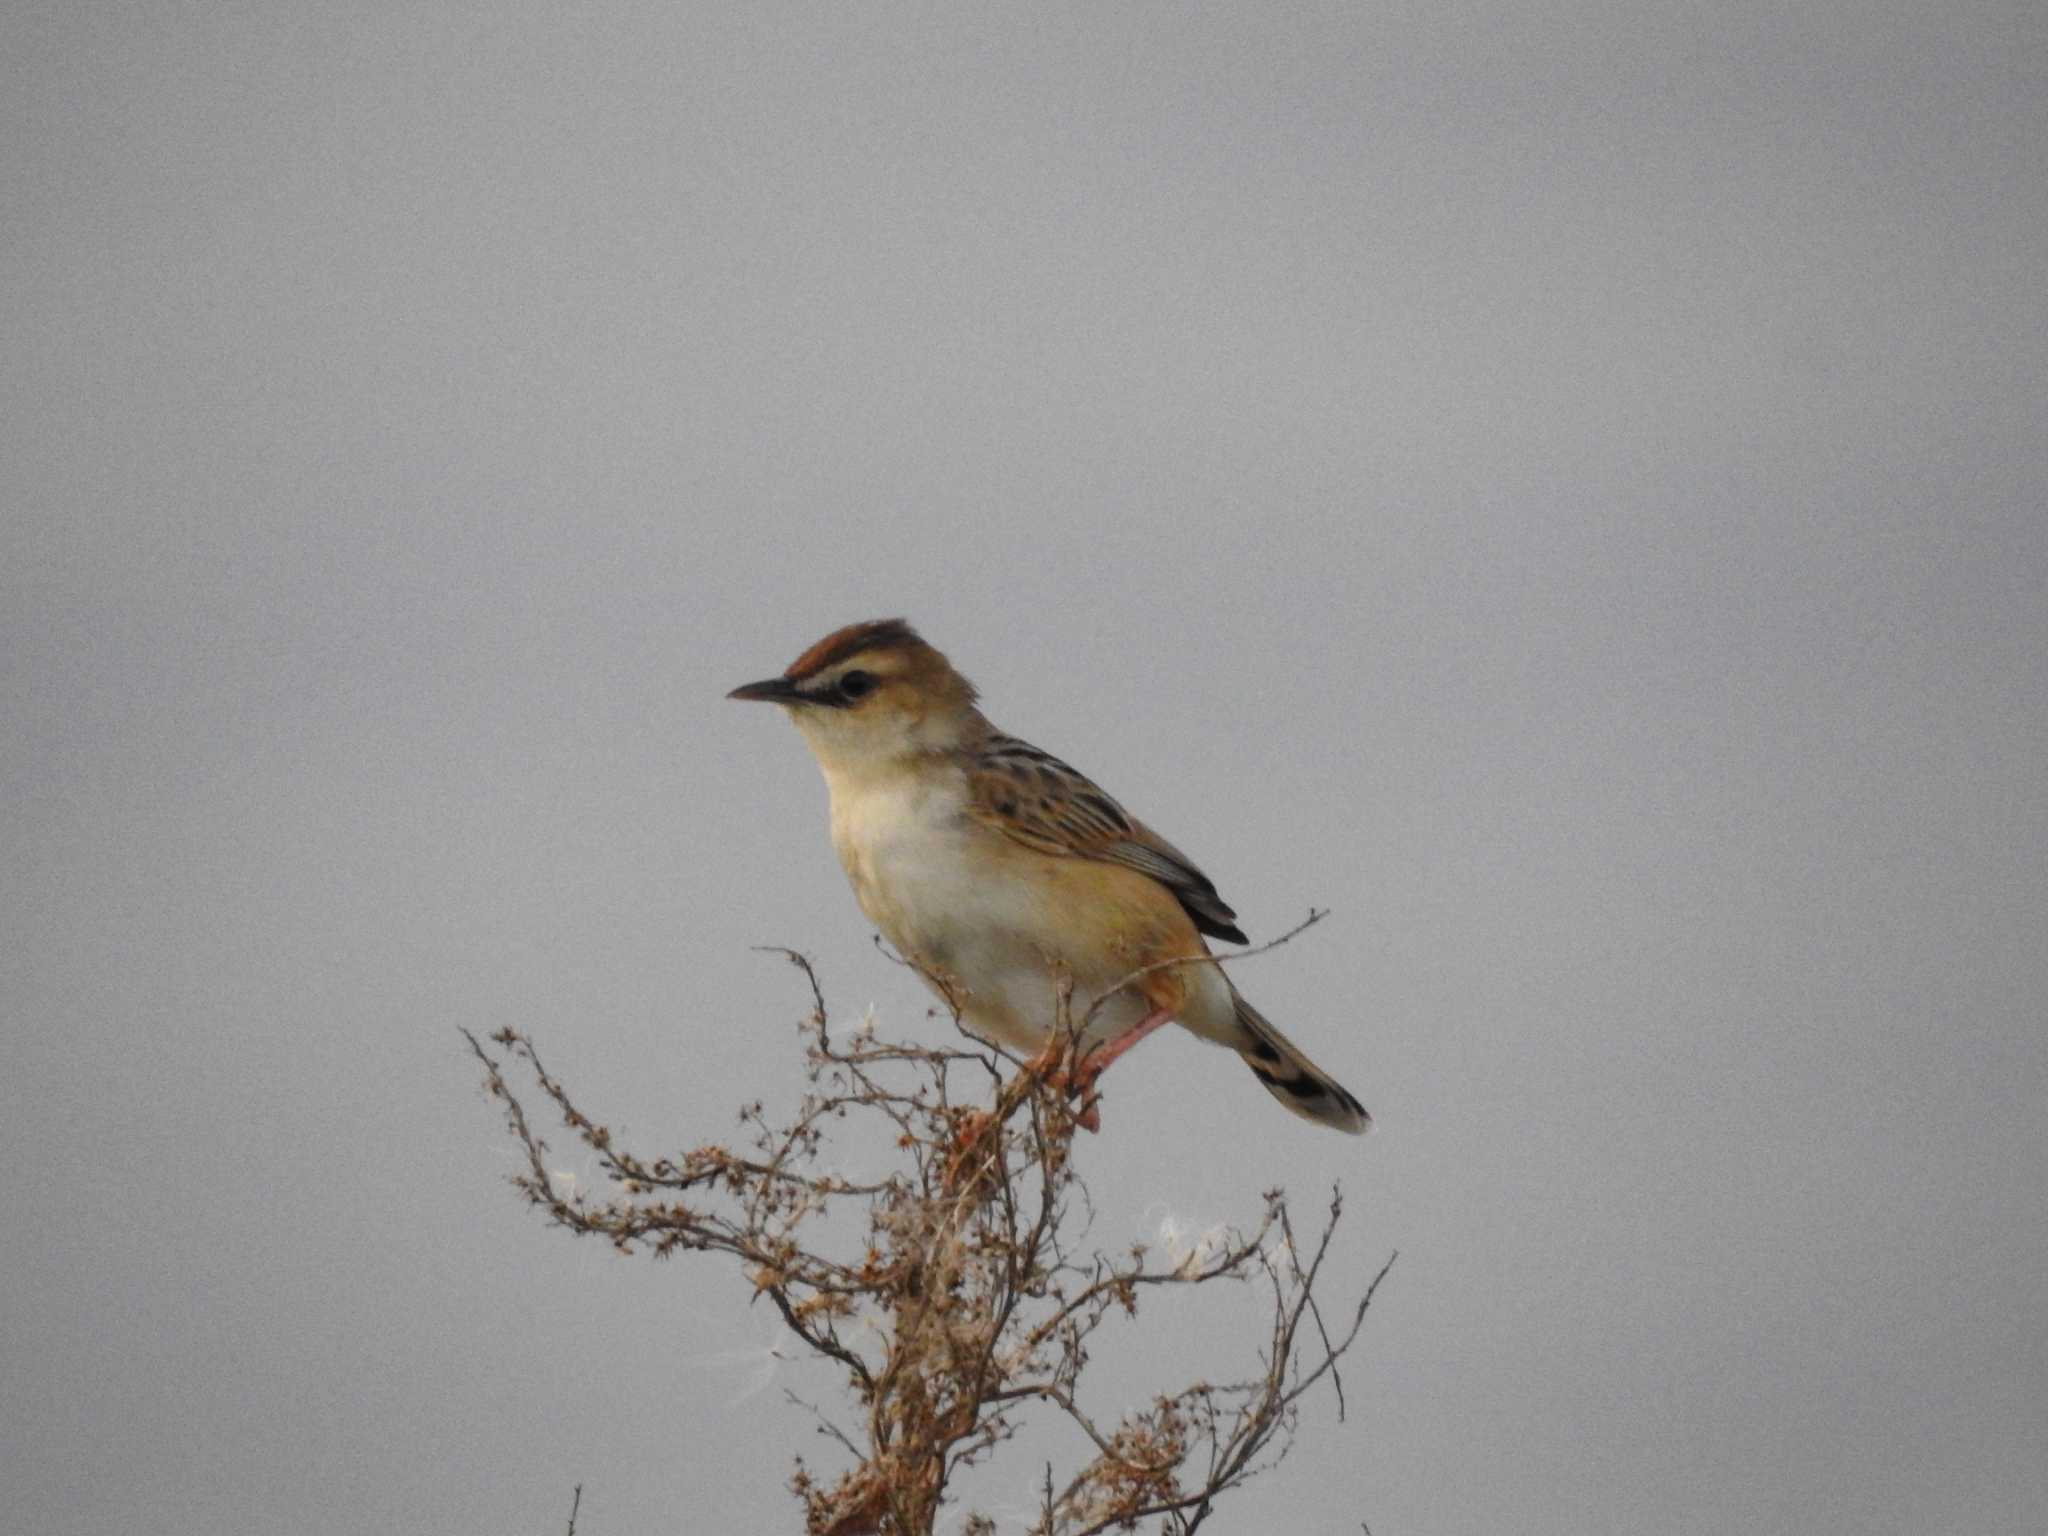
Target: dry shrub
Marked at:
952, 1294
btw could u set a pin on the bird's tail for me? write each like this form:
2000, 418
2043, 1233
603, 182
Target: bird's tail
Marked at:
1293, 1079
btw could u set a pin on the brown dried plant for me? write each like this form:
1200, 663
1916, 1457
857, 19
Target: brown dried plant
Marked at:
952, 1294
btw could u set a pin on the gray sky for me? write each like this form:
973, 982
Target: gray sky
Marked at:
1561, 485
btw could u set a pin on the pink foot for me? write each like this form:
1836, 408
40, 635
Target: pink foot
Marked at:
1101, 1059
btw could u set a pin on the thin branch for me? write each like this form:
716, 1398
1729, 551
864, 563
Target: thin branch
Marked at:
1315, 916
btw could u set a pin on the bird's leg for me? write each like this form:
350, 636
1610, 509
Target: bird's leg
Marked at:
1099, 1060
1054, 1066
1081, 1081
1078, 1076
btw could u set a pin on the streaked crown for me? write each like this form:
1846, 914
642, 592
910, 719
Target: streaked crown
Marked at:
871, 683
844, 644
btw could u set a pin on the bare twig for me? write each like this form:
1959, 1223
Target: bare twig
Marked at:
1315, 915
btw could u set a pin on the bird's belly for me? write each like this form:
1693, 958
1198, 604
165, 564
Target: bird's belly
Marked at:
995, 927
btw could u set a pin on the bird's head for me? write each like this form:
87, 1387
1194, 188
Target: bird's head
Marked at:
870, 694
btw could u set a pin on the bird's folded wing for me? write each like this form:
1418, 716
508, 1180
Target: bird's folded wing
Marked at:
1035, 799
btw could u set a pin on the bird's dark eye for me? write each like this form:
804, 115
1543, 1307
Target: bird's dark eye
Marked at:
856, 685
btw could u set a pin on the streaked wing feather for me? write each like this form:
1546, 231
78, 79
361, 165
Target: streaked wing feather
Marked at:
1035, 799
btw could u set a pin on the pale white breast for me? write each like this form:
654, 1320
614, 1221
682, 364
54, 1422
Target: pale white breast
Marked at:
899, 836
944, 893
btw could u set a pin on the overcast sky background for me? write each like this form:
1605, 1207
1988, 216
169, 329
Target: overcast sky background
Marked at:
1561, 485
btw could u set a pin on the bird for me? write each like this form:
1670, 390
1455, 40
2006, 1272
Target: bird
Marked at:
1001, 873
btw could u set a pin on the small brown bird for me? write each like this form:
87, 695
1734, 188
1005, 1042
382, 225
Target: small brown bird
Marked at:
996, 868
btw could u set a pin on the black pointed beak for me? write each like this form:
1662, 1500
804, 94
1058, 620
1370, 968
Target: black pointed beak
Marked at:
770, 690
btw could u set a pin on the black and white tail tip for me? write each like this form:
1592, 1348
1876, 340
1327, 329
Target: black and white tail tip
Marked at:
1294, 1080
